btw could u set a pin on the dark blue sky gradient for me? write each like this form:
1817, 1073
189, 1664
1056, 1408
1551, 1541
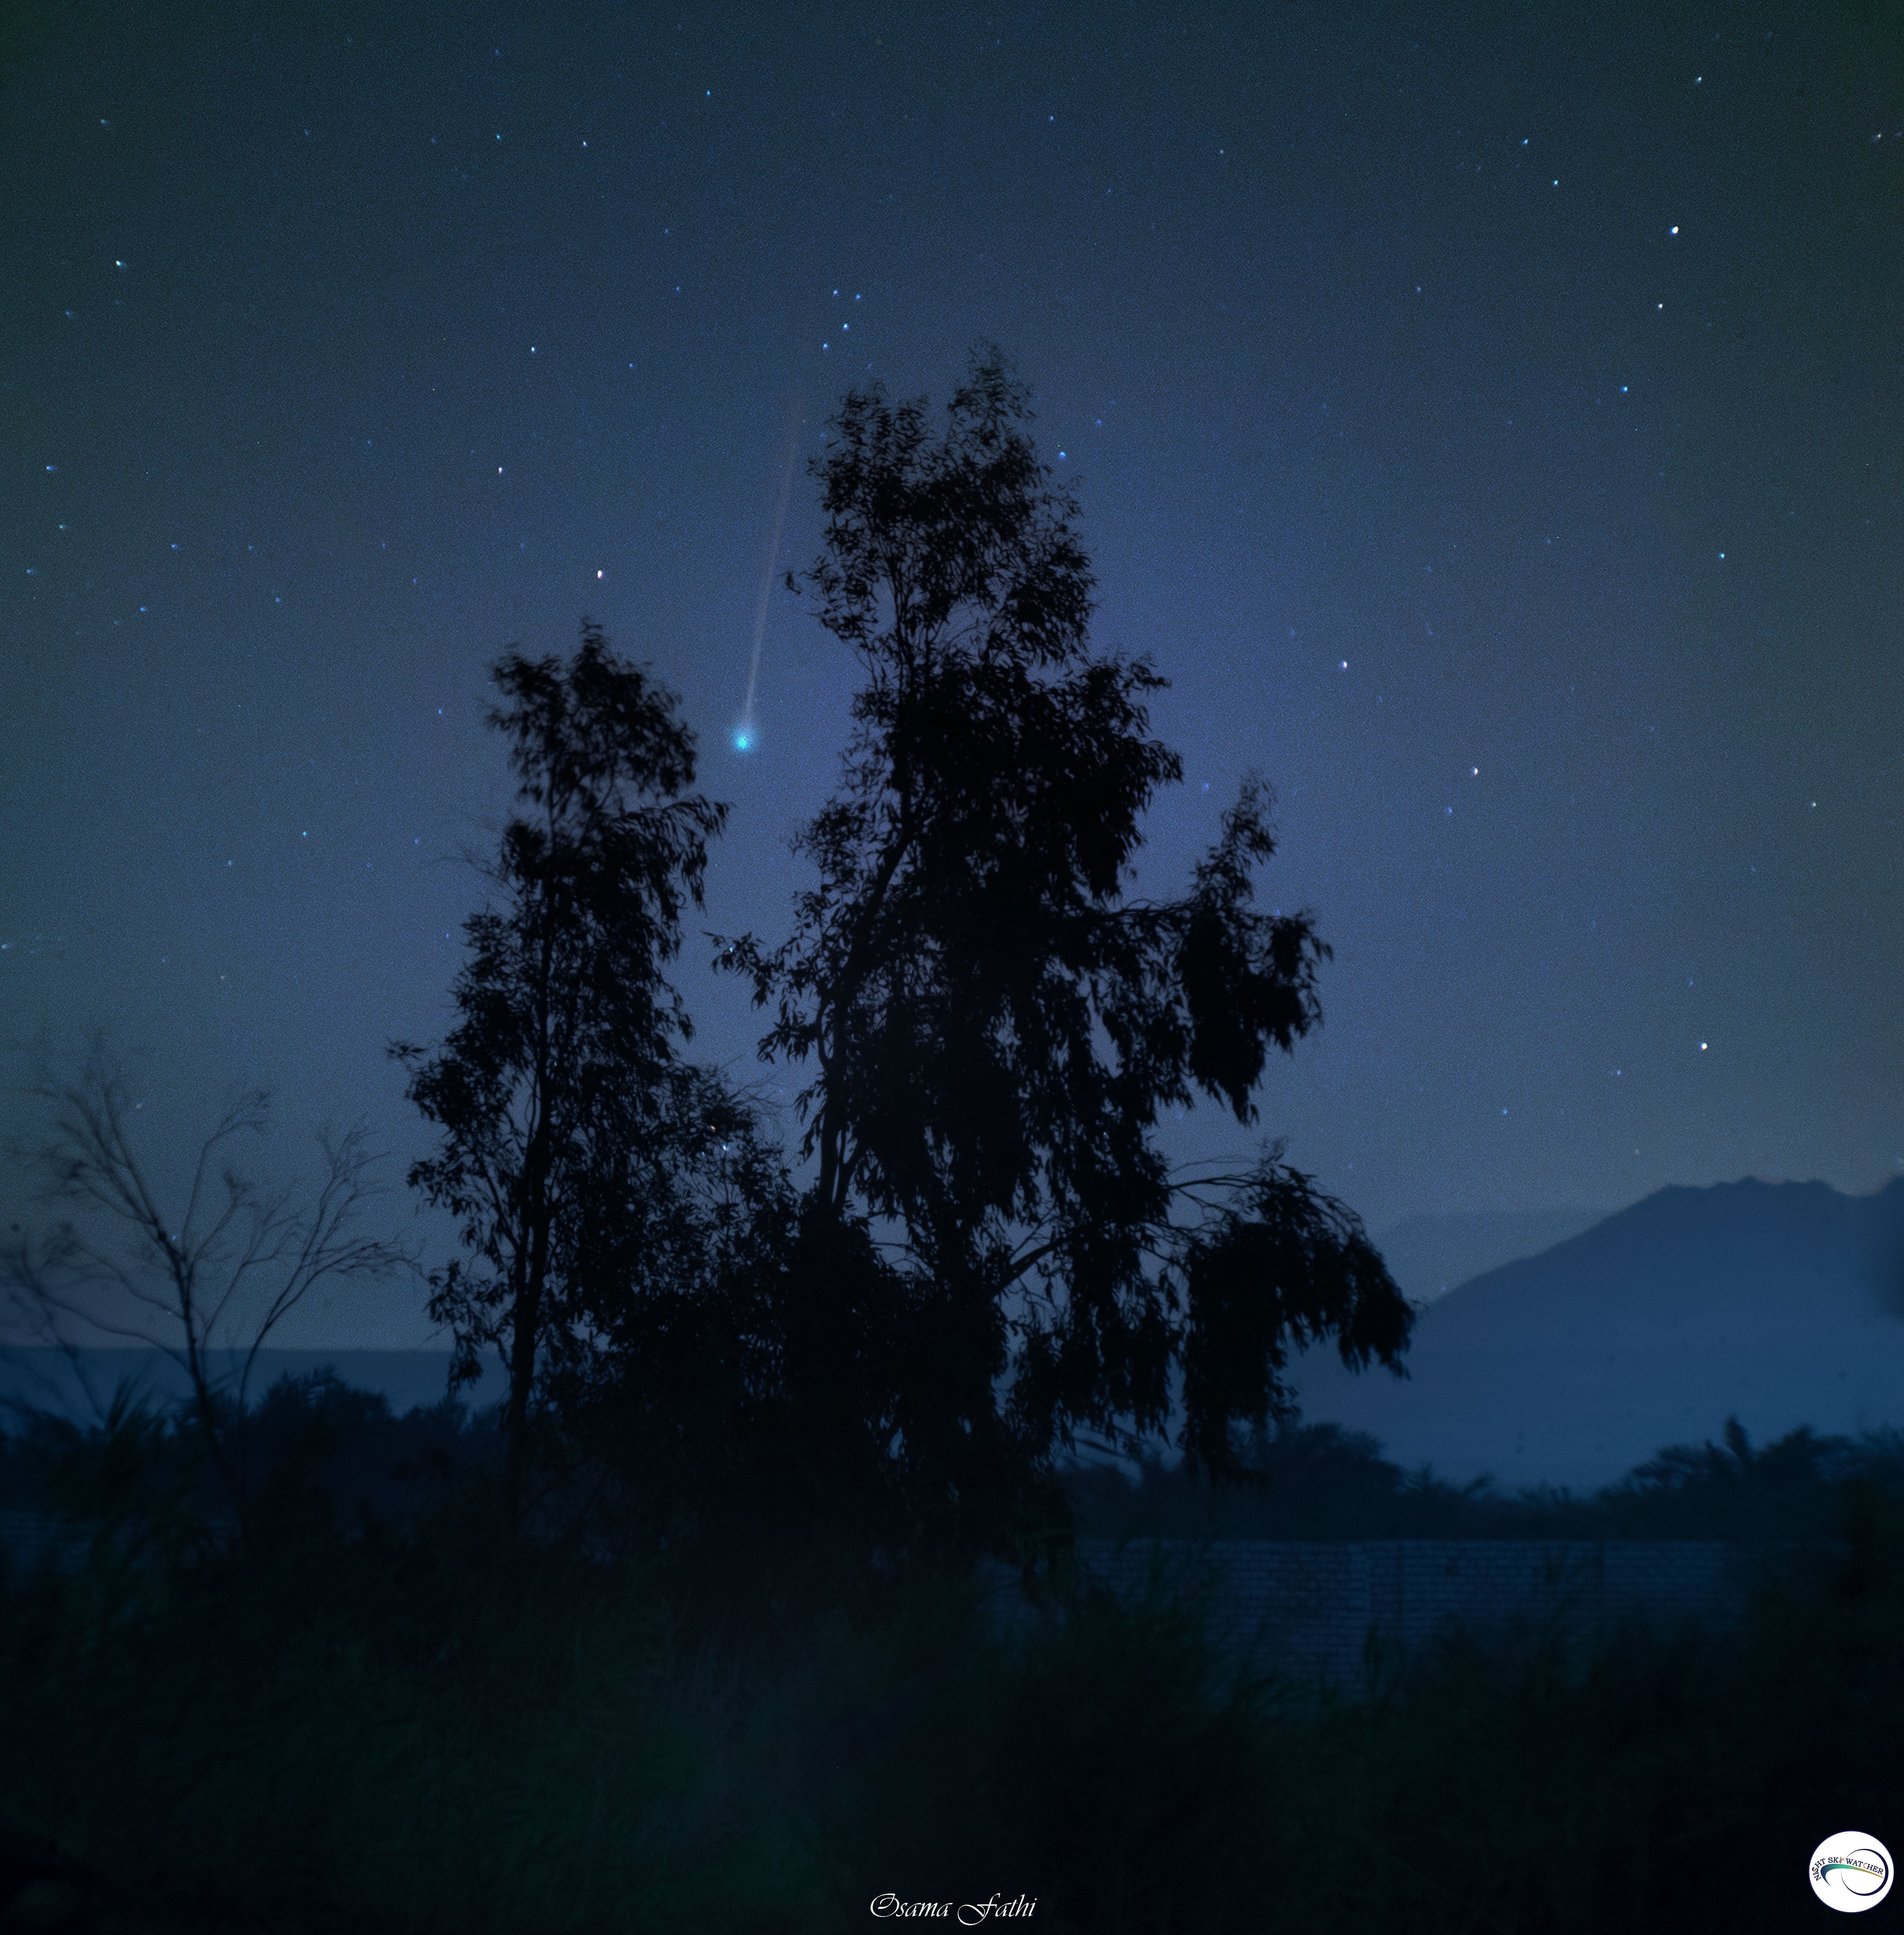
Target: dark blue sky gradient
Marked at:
1445, 389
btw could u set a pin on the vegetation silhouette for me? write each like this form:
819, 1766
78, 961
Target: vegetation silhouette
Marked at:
996, 1030
374, 1712
219, 1273
363, 1718
573, 1135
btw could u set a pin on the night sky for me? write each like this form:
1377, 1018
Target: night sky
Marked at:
1487, 420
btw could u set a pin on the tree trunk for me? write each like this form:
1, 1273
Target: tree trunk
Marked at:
524, 1336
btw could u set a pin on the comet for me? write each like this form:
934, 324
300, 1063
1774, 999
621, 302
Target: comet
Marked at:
746, 733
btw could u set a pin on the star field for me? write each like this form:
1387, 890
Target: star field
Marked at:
1487, 420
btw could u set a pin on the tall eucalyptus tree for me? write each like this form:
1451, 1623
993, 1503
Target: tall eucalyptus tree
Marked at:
996, 1029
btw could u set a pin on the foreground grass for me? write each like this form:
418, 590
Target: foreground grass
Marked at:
402, 1730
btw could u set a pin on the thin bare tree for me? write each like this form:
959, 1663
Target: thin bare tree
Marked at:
218, 1278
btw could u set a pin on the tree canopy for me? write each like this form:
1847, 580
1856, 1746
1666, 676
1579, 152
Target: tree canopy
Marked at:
995, 1028
569, 1119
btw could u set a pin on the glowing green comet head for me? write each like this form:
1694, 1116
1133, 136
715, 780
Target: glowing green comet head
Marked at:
743, 738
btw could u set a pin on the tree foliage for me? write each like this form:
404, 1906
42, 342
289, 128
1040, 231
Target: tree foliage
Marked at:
569, 1119
996, 1030
674, 1274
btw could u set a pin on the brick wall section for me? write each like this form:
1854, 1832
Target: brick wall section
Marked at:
1306, 1608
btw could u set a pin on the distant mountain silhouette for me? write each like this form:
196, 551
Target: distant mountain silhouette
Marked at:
1782, 1303
1777, 1303
1429, 1254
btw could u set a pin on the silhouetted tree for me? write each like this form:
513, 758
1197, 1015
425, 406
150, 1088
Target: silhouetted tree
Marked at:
567, 1117
673, 1273
996, 1029
217, 1277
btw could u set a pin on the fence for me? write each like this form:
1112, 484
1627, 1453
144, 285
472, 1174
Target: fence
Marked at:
31, 1539
1308, 1608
